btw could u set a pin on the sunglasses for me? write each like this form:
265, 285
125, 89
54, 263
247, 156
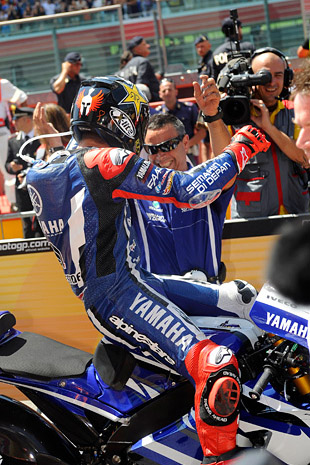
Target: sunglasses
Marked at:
166, 146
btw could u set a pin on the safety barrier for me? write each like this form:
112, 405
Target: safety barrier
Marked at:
11, 224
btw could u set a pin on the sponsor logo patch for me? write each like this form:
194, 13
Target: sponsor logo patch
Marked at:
135, 97
36, 199
123, 122
121, 325
220, 355
207, 178
169, 184
287, 325
161, 320
144, 170
118, 156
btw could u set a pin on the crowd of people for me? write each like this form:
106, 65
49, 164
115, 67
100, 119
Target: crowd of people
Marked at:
272, 183
18, 9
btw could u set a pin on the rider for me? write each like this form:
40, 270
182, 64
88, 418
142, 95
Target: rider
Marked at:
80, 200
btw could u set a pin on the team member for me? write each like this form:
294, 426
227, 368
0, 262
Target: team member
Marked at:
79, 198
16, 165
178, 240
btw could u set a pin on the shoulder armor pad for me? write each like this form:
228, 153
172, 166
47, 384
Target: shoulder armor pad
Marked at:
111, 162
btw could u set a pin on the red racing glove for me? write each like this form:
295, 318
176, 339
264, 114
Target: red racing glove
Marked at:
245, 144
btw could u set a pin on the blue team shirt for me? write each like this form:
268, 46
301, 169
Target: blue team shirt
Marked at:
174, 240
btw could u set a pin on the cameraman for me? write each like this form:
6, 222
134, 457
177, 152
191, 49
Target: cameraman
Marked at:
220, 54
275, 182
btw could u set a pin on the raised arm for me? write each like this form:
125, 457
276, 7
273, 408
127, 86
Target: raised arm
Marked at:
208, 98
42, 126
195, 188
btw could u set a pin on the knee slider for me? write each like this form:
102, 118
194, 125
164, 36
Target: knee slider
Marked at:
219, 403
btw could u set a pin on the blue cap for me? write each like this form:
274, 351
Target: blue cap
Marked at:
228, 25
200, 39
134, 42
73, 57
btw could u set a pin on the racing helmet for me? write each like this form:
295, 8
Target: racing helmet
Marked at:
113, 108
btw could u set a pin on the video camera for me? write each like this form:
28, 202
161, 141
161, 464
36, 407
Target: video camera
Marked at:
237, 79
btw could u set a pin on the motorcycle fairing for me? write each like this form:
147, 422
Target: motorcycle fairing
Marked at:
227, 325
276, 314
281, 444
278, 432
285, 417
177, 444
273, 404
76, 402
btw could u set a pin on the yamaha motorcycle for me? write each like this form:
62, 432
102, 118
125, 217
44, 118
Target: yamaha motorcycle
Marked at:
111, 408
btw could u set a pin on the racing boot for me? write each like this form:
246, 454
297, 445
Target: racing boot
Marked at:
215, 371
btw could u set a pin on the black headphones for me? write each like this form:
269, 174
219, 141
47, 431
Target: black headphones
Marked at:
288, 72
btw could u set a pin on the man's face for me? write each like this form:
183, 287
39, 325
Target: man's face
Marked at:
168, 93
276, 66
175, 159
302, 118
202, 48
142, 49
75, 68
23, 123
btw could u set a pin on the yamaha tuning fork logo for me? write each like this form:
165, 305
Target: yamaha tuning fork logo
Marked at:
35, 199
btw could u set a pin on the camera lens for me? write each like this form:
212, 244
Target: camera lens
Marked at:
236, 109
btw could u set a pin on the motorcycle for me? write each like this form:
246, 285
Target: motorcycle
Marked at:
111, 408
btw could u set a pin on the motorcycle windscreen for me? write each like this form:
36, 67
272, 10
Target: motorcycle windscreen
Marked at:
278, 315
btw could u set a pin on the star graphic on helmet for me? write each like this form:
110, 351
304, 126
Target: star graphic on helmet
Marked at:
134, 96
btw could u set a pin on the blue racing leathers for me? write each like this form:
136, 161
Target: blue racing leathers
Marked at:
80, 201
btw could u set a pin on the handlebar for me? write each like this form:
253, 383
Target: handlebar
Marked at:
261, 383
